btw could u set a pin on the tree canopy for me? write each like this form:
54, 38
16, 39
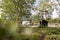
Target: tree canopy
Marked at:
15, 9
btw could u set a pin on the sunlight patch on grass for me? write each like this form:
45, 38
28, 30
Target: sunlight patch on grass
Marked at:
13, 28
27, 31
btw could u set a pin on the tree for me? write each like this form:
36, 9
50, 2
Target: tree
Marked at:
45, 9
14, 10
45, 6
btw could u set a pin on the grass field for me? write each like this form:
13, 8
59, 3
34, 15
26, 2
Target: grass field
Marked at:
44, 33
29, 33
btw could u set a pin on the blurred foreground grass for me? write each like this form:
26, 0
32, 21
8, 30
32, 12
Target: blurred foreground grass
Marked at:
29, 33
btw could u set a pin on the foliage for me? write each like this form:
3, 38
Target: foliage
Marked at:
39, 32
36, 18
54, 20
15, 9
45, 6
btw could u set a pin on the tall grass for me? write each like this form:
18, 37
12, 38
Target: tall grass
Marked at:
29, 33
